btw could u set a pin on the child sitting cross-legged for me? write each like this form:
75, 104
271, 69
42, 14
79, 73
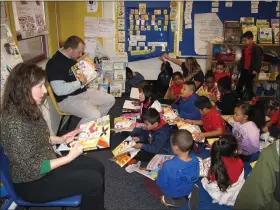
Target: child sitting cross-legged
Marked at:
185, 104
226, 173
211, 86
176, 178
212, 122
159, 141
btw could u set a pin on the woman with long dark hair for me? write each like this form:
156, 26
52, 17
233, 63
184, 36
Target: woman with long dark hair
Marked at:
28, 144
226, 174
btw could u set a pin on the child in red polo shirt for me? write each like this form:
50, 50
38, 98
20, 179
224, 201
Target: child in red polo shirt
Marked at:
220, 70
250, 63
212, 122
176, 87
273, 126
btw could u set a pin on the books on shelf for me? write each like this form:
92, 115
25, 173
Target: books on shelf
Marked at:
232, 31
151, 171
124, 152
134, 93
193, 129
124, 124
86, 66
276, 35
94, 135
119, 75
116, 90
253, 29
265, 36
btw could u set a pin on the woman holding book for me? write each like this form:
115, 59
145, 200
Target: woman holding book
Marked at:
28, 145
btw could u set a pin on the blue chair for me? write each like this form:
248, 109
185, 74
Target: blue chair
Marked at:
73, 201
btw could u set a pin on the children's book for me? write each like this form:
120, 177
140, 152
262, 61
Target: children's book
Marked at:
119, 74
193, 129
147, 173
265, 36
107, 65
116, 90
204, 166
170, 115
94, 135
202, 92
86, 66
232, 31
134, 93
124, 152
108, 76
131, 105
104, 87
276, 35
124, 124
229, 119
157, 161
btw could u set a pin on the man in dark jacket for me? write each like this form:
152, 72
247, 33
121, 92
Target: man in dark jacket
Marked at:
250, 63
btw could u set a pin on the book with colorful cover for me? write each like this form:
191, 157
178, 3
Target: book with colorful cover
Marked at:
104, 87
276, 35
94, 135
202, 92
193, 129
116, 90
124, 152
86, 66
170, 115
124, 124
232, 31
147, 173
229, 119
204, 166
265, 36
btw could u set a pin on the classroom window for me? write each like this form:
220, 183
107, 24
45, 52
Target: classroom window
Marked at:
33, 49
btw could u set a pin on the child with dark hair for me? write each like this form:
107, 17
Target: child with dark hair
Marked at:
250, 63
245, 131
185, 104
226, 174
211, 86
176, 87
212, 122
159, 136
132, 79
220, 70
164, 77
273, 126
228, 98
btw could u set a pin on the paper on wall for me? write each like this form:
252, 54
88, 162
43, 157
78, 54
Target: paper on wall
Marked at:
133, 43
215, 10
141, 44
157, 44
121, 47
229, 4
92, 6
254, 6
90, 47
138, 38
254, 11
99, 27
208, 27
215, 4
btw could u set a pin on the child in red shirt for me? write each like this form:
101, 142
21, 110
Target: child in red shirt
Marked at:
273, 126
212, 122
226, 173
177, 85
220, 70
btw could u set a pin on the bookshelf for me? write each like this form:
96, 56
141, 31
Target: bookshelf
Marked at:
231, 54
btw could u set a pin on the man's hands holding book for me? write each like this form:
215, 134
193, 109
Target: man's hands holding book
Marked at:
82, 78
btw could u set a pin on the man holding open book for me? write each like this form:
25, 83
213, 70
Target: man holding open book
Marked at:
70, 90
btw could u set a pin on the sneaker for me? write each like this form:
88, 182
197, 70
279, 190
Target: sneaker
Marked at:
194, 198
174, 202
130, 168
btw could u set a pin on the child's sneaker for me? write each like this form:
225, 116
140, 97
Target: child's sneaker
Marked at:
130, 168
174, 202
194, 198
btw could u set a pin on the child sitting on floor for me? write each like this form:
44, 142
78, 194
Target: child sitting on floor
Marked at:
226, 174
211, 86
132, 79
228, 98
176, 87
176, 178
245, 131
159, 142
212, 122
185, 104
220, 70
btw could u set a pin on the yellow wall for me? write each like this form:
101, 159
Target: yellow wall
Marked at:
71, 18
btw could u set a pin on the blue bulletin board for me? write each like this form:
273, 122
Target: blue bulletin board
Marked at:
266, 10
157, 32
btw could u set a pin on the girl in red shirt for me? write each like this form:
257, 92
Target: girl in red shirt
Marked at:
226, 173
177, 85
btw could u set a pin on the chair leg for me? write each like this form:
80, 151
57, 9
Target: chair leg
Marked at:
68, 123
60, 124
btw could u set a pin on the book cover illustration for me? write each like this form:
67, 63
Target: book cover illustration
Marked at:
107, 65
204, 166
104, 87
276, 35
202, 92
124, 152
119, 66
265, 36
157, 161
119, 74
94, 135
87, 67
116, 90
193, 129
147, 173
124, 123
170, 115
253, 29
108, 76
232, 31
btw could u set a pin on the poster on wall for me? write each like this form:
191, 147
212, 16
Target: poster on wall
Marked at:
99, 27
30, 18
92, 6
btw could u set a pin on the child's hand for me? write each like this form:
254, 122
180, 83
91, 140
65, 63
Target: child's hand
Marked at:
188, 121
265, 129
177, 119
199, 137
135, 139
138, 146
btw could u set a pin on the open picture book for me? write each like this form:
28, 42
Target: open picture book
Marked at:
124, 124
151, 171
193, 129
170, 115
124, 152
86, 66
94, 135
134, 93
204, 166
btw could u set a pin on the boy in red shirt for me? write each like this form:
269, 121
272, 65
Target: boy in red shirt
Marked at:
250, 63
176, 87
273, 126
220, 70
212, 122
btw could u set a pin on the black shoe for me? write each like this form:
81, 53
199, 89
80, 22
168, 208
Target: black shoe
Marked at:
194, 198
174, 202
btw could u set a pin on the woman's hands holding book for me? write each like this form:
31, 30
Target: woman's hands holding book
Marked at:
71, 136
75, 151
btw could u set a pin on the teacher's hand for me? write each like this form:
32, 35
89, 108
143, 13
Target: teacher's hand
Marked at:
75, 151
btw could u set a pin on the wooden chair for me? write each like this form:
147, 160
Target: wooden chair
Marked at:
62, 114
